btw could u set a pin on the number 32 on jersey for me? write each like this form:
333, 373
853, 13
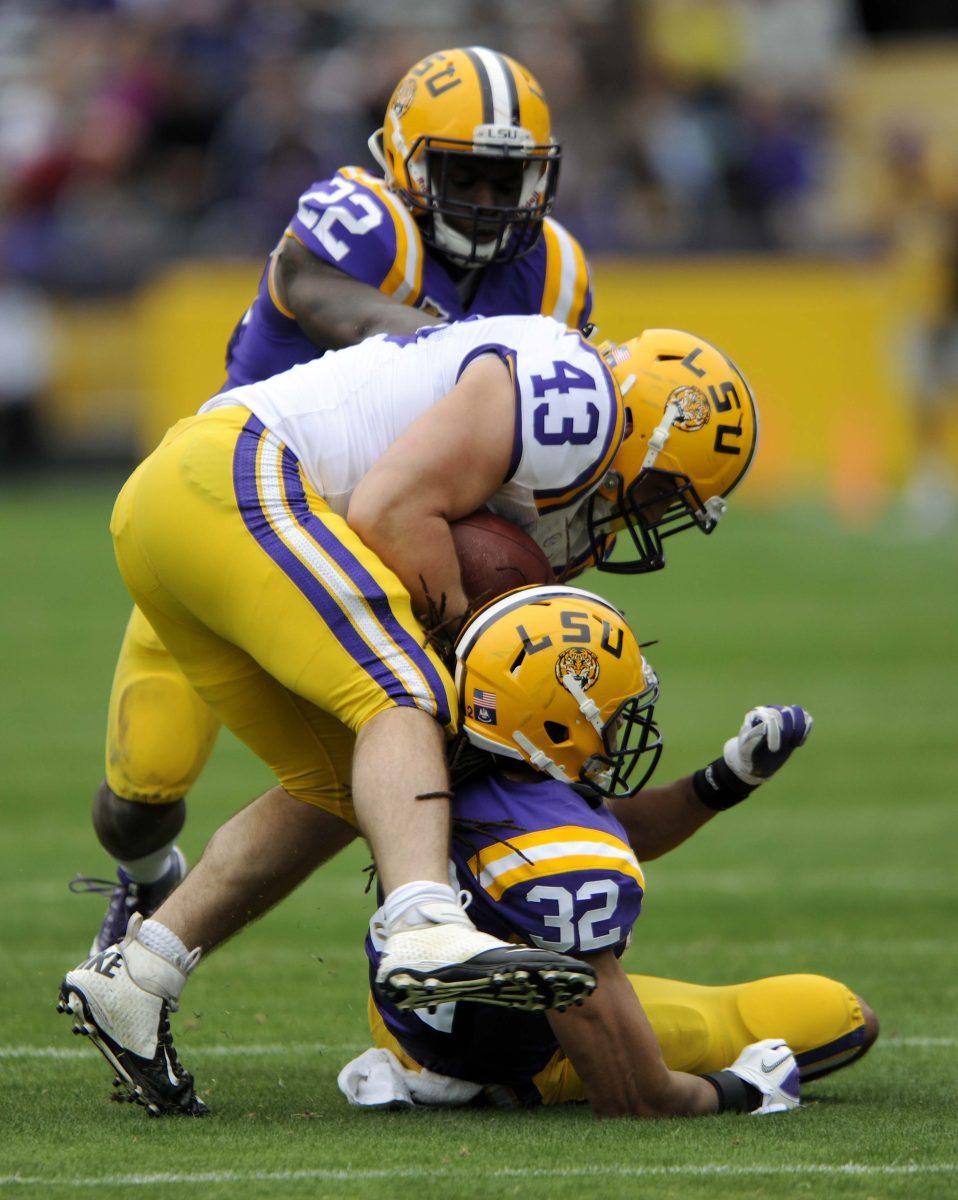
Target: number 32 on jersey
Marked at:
581, 933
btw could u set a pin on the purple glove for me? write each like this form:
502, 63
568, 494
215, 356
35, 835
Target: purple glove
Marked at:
768, 736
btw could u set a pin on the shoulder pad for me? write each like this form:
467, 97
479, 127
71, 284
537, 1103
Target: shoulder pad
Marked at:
569, 888
567, 288
570, 417
354, 222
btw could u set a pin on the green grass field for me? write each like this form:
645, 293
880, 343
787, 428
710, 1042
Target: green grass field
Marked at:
845, 866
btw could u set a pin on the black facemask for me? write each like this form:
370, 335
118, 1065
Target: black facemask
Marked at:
644, 521
511, 229
633, 746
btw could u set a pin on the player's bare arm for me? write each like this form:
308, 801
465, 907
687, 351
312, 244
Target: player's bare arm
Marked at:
447, 464
613, 1048
660, 818
657, 819
332, 308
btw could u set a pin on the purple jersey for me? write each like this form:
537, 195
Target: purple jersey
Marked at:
542, 865
355, 223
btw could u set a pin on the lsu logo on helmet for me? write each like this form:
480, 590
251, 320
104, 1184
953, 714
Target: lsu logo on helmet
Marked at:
693, 408
553, 676
691, 432
402, 97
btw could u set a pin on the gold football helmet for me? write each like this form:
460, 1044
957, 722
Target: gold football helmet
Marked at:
691, 432
467, 144
554, 676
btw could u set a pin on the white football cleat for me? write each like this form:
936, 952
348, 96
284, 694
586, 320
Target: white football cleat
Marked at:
445, 958
121, 998
770, 1067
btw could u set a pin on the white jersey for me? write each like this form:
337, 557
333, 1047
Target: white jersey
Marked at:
339, 414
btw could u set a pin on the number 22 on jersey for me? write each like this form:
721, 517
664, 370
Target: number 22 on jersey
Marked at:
356, 212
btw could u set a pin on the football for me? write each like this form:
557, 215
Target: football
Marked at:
496, 556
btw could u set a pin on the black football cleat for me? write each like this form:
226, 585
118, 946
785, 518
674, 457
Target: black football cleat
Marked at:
516, 977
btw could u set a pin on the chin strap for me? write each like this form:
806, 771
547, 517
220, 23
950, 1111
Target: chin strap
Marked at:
540, 760
714, 508
660, 434
588, 708
375, 144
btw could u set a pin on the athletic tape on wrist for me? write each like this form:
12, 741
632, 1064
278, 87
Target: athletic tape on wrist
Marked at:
718, 787
734, 1094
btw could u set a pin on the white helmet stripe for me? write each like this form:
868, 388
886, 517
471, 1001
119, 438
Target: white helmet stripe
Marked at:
498, 83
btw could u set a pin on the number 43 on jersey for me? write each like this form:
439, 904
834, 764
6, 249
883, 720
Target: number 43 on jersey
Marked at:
576, 430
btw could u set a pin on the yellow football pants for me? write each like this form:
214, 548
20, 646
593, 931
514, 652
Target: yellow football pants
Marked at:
286, 625
159, 732
704, 1029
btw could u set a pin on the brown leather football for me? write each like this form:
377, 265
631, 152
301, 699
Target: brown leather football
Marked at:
496, 556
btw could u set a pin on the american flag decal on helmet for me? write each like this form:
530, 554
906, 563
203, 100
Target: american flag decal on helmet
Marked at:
484, 706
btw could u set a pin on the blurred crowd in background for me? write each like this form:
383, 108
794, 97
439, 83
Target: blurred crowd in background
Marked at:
138, 133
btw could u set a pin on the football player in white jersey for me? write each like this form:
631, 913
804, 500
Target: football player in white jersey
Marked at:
459, 223
283, 542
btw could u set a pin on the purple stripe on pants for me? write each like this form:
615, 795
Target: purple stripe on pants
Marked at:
364, 583
257, 522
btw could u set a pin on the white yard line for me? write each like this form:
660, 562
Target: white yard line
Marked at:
268, 1049
260, 1050
892, 1043
350, 1175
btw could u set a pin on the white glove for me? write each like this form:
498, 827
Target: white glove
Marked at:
768, 736
770, 1067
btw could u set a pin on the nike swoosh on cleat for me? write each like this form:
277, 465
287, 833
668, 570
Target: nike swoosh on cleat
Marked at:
769, 1067
169, 1069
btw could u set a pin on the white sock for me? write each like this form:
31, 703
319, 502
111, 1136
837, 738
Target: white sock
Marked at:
150, 867
402, 907
164, 942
